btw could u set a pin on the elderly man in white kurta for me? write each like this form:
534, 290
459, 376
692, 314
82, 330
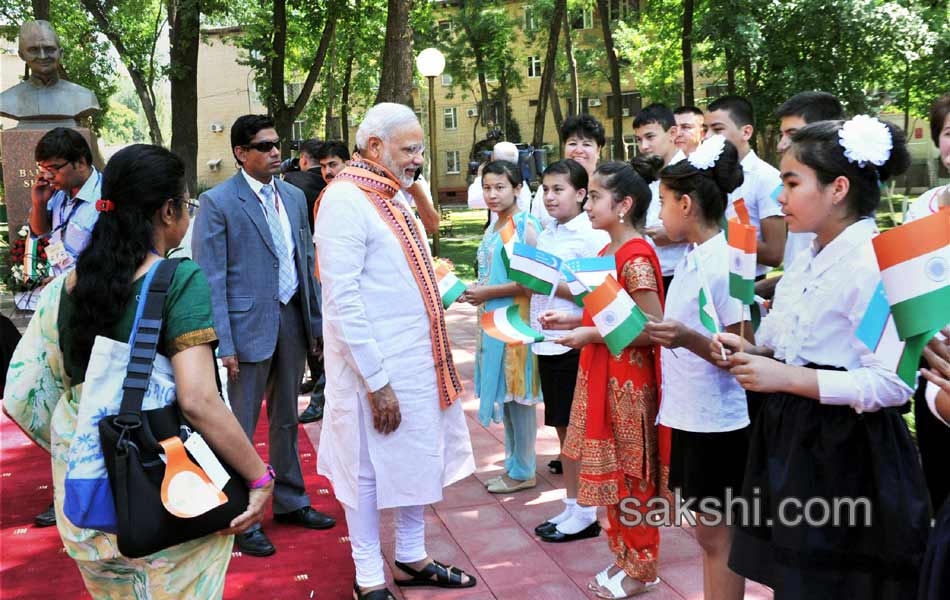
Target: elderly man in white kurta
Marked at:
394, 434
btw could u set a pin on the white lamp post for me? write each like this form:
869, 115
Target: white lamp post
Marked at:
431, 63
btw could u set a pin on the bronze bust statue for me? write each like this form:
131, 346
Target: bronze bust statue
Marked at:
45, 100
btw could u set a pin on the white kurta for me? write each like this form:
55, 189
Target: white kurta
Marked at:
376, 331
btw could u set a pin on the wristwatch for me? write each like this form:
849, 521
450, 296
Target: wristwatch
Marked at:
267, 478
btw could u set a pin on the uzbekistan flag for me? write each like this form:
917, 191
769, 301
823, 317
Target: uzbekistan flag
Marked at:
742, 248
506, 324
509, 237
537, 270
450, 287
707, 310
586, 274
878, 332
617, 317
915, 269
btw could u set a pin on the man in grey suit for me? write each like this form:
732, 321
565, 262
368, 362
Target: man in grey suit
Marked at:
252, 239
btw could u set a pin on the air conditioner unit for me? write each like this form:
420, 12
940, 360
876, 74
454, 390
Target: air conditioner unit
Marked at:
472, 112
214, 164
626, 112
593, 102
217, 128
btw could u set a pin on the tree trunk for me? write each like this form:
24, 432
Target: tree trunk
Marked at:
615, 89
396, 82
184, 22
141, 81
547, 74
503, 86
574, 105
556, 110
689, 96
907, 179
41, 10
479, 57
730, 73
330, 95
345, 99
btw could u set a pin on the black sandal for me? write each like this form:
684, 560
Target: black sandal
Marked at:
446, 576
383, 594
556, 467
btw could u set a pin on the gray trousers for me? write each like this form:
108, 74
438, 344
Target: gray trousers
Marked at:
280, 377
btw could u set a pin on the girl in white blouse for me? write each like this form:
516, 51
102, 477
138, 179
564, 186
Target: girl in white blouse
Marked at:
703, 405
832, 471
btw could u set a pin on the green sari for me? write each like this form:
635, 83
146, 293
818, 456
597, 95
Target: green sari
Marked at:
42, 396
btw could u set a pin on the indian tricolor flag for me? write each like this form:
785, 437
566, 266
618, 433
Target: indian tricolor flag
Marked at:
509, 237
915, 269
535, 269
450, 287
505, 324
742, 246
585, 274
616, 316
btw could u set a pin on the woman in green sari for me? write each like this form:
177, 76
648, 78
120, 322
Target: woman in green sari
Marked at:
146, 214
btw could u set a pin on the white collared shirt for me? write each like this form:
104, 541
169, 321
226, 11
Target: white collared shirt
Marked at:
760, 179
671, 254
697, 395
256, 187
818, 305
574, 239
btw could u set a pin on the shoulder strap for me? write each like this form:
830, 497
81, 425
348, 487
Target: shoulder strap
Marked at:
145, 337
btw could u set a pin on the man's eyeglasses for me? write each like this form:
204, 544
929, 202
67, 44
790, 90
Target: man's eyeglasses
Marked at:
53, 169
192, 207
265, 146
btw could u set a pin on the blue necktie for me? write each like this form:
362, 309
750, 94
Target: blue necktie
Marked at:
285, 280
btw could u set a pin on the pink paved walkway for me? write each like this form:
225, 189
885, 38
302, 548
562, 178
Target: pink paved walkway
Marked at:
493, 536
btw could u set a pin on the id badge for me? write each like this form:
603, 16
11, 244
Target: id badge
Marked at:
57, 256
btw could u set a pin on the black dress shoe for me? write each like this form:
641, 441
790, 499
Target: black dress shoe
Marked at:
306, 387
47, 518
254, 543
592, 530
556, 467
545, 528
306, 517
314, 412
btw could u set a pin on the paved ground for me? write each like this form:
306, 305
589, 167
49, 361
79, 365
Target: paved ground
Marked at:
492, 536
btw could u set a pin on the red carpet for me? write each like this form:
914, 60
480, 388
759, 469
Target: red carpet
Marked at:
33, 564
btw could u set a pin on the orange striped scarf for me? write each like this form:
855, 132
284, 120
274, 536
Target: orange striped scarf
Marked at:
380, 187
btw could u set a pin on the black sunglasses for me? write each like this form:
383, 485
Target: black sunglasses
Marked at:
264, 147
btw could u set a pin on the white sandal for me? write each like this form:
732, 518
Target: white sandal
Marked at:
614, 585
601, 579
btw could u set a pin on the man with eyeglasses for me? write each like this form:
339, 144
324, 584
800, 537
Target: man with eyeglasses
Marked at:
63, 210
252, 240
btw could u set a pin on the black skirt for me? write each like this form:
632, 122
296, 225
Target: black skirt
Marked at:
935, 574
803, 450
558, 375
705, 465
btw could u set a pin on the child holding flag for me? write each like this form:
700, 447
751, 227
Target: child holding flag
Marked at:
703, 405
568, 235
831, 426
612, 431
506, 377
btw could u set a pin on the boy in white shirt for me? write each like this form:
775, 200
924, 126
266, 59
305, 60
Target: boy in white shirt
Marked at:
733, 118
655, 129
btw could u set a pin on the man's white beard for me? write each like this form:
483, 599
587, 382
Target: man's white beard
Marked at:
387, 161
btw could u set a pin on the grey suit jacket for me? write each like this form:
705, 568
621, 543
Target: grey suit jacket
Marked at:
232, 243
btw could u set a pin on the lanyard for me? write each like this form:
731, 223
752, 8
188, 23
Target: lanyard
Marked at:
62, 207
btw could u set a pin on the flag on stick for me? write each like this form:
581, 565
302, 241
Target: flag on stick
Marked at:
877, 331
915, 270
742, 256
616, 316
585, 274
537, 270
506, 324
509, 237
450, 287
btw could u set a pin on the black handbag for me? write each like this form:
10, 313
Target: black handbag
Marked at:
130, 446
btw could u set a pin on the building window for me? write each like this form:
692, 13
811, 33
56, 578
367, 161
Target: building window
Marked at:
297, 132
630, 104
623, 9
534, 66
452, 162
446, 80
532, 103
582, 18
450, 118
530, 19
714, 91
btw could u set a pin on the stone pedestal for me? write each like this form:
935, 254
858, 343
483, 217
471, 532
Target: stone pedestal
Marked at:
17, 147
